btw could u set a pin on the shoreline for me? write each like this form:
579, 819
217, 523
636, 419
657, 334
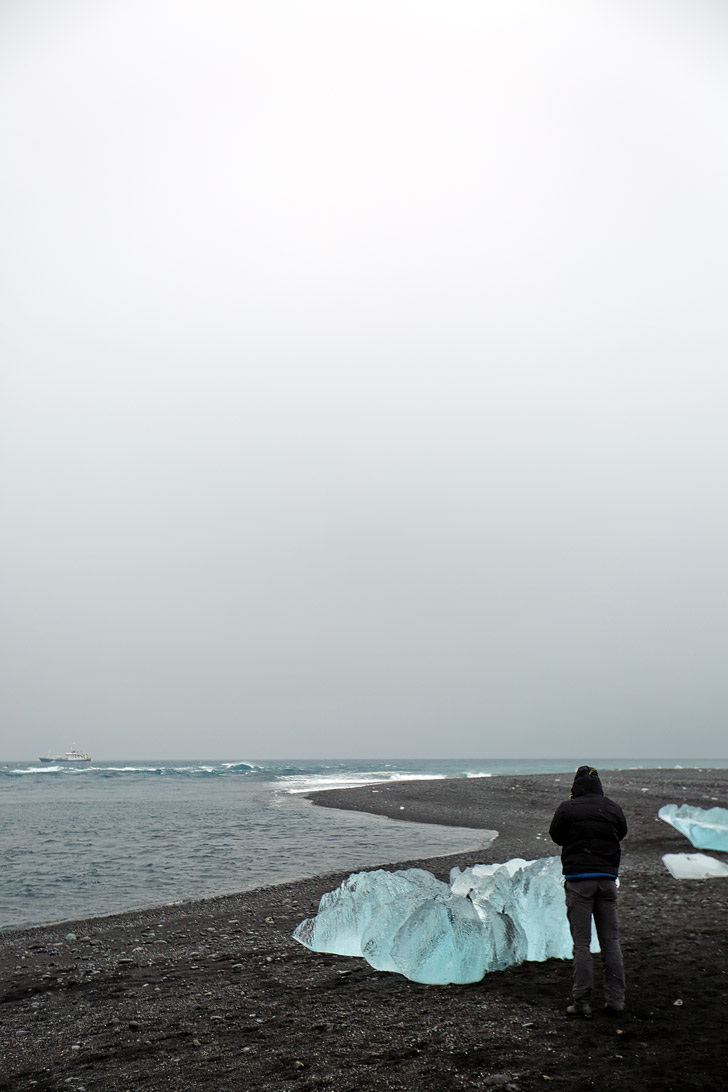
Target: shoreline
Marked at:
459, 803
440, 801
213, 994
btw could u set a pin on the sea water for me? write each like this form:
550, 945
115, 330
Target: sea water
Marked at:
102, 837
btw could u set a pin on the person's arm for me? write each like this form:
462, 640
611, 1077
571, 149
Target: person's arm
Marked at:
557, 830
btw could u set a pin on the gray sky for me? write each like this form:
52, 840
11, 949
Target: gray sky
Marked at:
364, 378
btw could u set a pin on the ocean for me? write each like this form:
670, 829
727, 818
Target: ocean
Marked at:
83, 841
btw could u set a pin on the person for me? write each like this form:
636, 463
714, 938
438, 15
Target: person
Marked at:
589, 827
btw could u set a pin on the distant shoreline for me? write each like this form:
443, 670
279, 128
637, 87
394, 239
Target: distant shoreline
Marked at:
518, 807
475, 802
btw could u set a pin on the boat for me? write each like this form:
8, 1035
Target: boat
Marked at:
70, 756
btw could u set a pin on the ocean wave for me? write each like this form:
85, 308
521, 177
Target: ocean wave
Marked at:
112, 771
300, 776
311, 782
36, 770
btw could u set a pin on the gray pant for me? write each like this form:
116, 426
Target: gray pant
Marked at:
597, 898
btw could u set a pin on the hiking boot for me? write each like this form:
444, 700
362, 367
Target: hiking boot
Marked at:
614, 1006
580, 1008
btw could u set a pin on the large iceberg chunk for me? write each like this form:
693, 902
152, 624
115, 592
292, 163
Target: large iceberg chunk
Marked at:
531, 894
491, 916
400, 921
344, 914
489, 889
442, 941
694, 866
706, 829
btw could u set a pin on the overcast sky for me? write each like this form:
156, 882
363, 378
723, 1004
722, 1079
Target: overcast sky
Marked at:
364, 378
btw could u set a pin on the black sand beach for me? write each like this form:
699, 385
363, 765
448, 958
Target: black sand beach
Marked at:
214, 995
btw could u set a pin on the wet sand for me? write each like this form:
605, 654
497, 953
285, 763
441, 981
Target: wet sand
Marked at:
215, 995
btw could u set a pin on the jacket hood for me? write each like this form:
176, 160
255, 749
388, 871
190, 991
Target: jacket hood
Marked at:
586, 782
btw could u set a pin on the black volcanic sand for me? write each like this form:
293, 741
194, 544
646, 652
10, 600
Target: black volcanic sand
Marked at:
214, 995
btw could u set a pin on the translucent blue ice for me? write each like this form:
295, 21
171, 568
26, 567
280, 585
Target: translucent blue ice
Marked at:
531, 894
694, 866
441, 941
344, 914
490, 917
706, 829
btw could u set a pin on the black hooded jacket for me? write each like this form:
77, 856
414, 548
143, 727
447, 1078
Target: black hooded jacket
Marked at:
589, 826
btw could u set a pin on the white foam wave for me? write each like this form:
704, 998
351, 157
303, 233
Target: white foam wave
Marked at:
127, 769
197, 768
312, 782
38, 769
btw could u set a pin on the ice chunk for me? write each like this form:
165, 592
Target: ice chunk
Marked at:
694, 866
407, 922
378, 937
461, 881
441, 942
490, 917
344, 914
489, 888
706, 829
531, 895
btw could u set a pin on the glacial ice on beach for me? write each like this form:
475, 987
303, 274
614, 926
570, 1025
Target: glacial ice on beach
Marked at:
705, 829
490, 917
404, 921
344, 914
531, 895
694, 866
440, 941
